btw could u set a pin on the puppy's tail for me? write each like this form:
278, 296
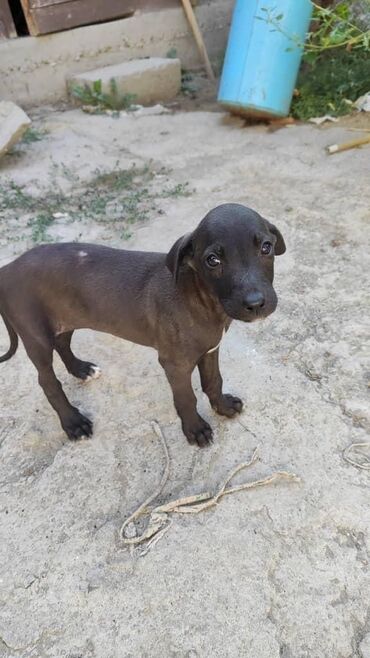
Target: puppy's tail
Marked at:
13, 340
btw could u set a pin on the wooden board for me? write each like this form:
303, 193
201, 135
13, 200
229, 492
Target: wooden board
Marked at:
7, 27
57, 16
45, 16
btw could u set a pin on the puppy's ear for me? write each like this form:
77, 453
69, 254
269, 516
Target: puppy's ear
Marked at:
280, 247
181, 252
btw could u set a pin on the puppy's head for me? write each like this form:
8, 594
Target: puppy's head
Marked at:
232, 250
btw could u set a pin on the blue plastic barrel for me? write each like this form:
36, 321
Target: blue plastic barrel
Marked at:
263, 56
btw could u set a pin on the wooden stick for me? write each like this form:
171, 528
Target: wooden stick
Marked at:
337, 148
188, 9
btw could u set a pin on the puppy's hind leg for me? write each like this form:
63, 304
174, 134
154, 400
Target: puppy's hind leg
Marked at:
40, 351
81, 369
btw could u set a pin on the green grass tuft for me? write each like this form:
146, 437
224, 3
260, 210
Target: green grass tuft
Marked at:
95, 97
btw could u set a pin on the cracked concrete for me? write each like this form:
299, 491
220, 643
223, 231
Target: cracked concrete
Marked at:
278, 572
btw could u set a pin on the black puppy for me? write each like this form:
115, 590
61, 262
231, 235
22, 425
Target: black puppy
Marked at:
180, 303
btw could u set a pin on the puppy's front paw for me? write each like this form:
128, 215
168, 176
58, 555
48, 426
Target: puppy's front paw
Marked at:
78, 427
228, 405
198, 433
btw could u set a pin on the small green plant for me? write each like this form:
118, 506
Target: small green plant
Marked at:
181, 189
120, 179
332, 29
335, 29
33, 135
13, 196
39, 226
188, 86
95, 97
172, 53
126, 235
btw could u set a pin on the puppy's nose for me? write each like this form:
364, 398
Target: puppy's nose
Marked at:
254, 300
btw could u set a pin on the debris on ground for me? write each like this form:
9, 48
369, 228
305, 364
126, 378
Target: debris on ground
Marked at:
284, 122
13, 123
318, 121
346, 146
152, 110
363, 103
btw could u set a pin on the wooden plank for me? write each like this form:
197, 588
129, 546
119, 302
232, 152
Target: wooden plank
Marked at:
150, 5
45, 16
7, 27
130, 5
57, 17
39, 4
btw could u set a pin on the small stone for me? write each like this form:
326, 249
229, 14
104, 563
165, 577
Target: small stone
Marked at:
150, 111
363, 103
130, 530
13, 123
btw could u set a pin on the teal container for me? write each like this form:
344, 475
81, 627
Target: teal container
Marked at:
262, 59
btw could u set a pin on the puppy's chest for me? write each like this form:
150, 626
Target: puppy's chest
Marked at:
213, 349
206, 341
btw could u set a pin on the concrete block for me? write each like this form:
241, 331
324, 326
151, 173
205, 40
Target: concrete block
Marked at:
149, 80
13, 123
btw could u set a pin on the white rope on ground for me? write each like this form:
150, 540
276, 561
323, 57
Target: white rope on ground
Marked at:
159, 521
154, 528
365, 465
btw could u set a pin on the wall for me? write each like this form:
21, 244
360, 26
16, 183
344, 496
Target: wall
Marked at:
33, 70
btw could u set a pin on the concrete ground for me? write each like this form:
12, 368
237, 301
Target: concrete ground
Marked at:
280, 571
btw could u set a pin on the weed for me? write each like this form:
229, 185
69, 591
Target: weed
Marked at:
95, 97
188, 86
333, 29
181, 189
172, 53
126, 235
14, 197
121, 197
119, 179
33, 135
330, 83
39, 226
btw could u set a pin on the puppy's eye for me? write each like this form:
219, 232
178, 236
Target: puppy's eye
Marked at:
266, 248
213, 260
